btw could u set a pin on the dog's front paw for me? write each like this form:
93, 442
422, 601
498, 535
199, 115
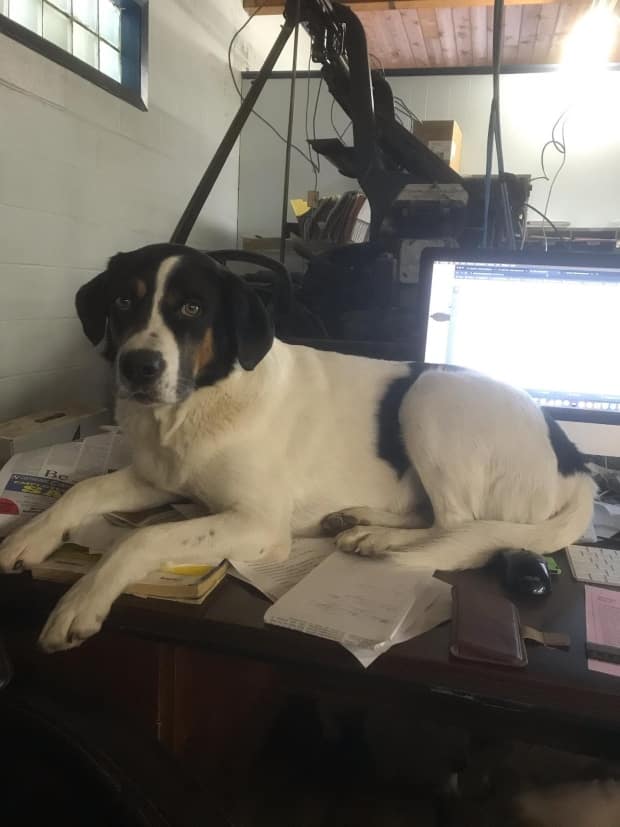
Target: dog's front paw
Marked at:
364, 540
77, 617
30, 544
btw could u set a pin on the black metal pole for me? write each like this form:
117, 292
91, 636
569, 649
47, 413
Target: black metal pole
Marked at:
203, 190
289, 141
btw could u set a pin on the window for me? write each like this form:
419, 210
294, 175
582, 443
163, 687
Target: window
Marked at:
104, 41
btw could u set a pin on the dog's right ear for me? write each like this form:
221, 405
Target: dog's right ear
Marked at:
92, 301
92, 307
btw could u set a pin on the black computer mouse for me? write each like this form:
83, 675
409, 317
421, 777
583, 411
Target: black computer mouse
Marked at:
524, 573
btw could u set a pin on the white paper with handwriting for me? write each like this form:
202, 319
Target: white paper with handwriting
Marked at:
366, 604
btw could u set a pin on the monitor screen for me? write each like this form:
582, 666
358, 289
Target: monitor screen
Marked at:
551, 329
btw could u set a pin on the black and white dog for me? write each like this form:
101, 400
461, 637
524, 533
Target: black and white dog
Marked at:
280, 440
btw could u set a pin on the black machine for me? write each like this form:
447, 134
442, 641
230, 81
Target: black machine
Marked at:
416, 199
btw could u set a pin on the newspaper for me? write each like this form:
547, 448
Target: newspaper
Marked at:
33, 481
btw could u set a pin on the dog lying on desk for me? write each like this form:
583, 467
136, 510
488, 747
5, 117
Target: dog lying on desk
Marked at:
282, 440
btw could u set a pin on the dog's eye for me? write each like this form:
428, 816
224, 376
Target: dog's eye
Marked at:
122, 302
191, 309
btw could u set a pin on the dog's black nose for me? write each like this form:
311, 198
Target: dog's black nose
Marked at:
142, 367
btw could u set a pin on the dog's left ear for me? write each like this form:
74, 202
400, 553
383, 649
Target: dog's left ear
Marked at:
253, 326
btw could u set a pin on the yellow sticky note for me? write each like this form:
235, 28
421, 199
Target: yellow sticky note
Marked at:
191, 569
300, 207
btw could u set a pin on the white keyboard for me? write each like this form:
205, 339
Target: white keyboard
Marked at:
595, 565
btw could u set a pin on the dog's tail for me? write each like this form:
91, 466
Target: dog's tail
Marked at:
473, 544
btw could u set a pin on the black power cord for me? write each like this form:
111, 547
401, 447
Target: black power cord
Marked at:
254, 112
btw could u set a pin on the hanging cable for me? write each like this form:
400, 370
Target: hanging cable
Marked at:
238, 90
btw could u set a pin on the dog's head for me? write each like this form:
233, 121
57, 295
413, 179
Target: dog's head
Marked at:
174, 320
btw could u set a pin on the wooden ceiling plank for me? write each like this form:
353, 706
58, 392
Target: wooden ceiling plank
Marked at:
430, 30
567, 16
415, 36
375, 40
527, 37
446, 37
490, 34
512, 29
478, 22
398, 54
462, 32
545, 32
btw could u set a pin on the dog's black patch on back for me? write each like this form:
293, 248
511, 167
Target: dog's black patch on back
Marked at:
390, 445
569, 457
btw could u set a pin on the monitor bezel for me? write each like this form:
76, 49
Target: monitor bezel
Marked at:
586, 259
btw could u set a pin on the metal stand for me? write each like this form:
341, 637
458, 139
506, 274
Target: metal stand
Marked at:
207, 182
289, 138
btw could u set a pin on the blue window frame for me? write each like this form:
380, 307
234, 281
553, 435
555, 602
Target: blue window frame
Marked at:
103, 41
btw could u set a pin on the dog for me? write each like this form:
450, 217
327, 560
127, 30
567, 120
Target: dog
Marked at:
280, 441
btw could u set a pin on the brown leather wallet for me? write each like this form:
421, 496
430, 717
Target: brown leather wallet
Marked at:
485, 627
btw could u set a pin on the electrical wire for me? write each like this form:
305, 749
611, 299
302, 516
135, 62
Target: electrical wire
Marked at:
316, 164
555, 177
238, 90
559, 144
400, 104
334, 127
545, 218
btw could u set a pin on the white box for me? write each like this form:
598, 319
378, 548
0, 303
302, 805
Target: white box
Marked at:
44, 428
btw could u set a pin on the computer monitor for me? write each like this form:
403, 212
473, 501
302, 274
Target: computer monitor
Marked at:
546, 323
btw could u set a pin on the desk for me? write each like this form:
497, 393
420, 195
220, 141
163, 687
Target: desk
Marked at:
555, 699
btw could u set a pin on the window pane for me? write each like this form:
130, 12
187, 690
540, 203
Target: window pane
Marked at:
86, 12
56, 27
65, 5
109, 22
85, 45
27, 13
109, 61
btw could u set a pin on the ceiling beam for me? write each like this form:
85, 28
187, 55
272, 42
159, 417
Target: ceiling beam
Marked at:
277, 6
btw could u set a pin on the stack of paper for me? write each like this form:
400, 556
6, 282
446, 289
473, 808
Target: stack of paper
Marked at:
366, 604
606, 519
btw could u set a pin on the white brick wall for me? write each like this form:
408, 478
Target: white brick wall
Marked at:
83, 175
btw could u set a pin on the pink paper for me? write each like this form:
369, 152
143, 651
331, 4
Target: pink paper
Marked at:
603, 624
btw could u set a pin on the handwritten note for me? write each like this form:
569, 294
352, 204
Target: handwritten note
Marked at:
603, 624
274, 579
366, 604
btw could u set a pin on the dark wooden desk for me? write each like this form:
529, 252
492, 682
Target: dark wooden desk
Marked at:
555, 699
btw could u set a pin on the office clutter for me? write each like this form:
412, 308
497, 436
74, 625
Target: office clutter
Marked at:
606, 521
32, 481
384, 601
444, 138
603, 630
25, 433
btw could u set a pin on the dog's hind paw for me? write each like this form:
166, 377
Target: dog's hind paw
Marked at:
338, 521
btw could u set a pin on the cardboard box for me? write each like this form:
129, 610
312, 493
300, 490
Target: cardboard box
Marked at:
44, 428
444, 138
